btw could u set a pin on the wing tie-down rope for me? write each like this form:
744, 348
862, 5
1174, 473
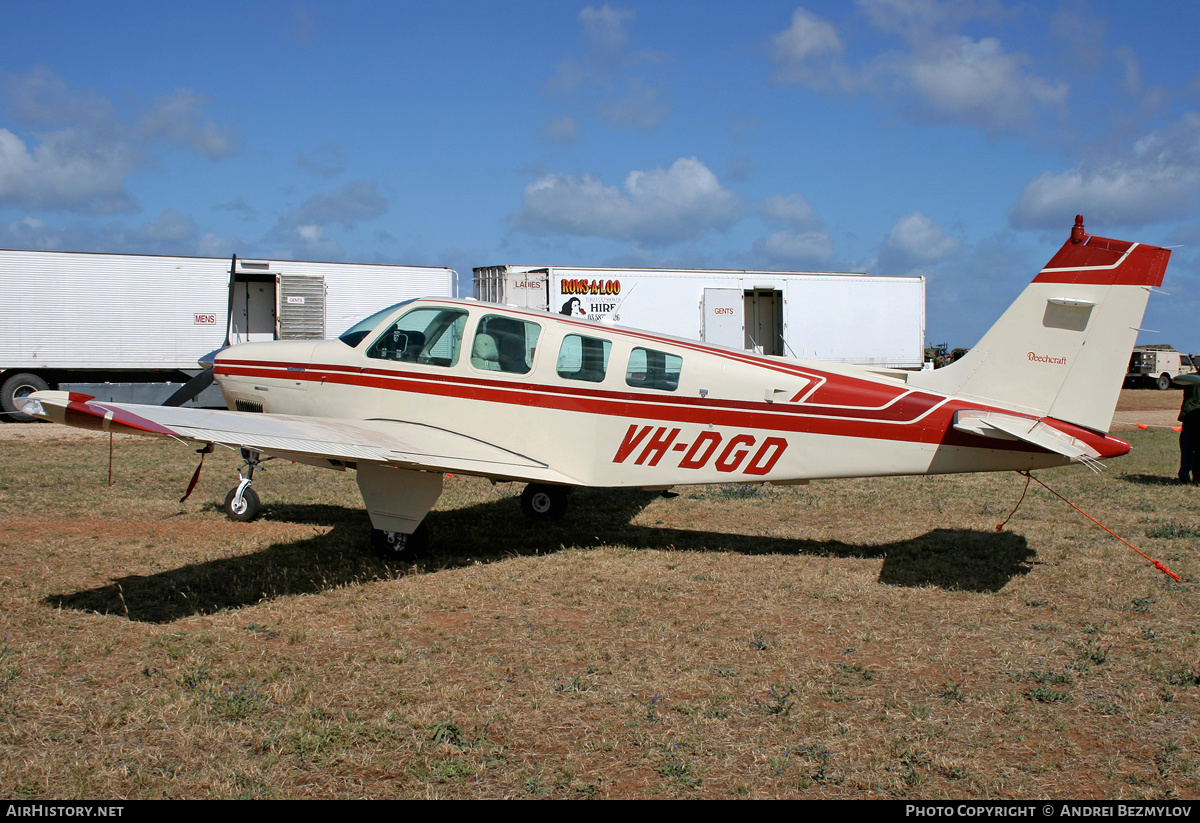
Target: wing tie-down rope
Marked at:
1028, 476
191, 486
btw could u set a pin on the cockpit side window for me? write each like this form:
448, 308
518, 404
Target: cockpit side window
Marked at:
431, 336
650, 369
505, 344
583, 358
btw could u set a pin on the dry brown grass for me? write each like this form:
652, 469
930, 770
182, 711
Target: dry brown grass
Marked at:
844, 639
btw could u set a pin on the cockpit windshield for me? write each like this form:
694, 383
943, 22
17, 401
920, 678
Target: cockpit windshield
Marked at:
355, 334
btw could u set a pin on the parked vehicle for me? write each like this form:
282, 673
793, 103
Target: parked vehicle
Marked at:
1156, 366
830, 316
130, 327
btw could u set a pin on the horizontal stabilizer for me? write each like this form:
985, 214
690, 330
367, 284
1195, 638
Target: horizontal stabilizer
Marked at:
1036, 432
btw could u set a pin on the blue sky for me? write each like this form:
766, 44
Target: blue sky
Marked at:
956, 140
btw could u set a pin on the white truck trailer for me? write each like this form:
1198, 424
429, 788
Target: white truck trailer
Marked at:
131, 327
831, 316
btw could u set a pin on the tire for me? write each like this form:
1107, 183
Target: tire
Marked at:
249, 509
1163, 382
403, 547
542, 502
15, 387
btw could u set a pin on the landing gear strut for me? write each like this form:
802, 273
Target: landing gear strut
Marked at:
242, 503
543, 502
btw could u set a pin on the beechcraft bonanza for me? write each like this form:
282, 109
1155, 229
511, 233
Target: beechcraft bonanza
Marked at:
428, 387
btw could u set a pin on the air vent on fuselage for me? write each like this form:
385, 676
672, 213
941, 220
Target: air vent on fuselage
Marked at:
248, 406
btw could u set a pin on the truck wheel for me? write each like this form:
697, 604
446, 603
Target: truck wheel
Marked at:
1163, 382
16, 387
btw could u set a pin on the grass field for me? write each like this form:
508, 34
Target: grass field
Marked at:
843, 639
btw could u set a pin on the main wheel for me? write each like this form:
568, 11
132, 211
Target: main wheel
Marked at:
1163, 382
543, 502
246, 509
16, 387
400, 546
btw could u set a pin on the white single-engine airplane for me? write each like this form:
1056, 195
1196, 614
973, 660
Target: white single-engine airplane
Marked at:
428, 387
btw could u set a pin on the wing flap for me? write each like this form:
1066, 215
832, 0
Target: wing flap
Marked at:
392, 442
1028, 430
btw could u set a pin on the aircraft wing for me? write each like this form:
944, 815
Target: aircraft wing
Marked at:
1012, 427
317, 440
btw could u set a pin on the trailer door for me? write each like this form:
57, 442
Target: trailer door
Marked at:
722, 318
528, 289
252, 304
301, 307
764, 320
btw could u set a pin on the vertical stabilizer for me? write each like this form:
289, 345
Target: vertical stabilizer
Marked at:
1062, 349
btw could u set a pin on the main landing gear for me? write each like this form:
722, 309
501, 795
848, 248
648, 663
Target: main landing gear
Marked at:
400, 546
242, 503
543, 502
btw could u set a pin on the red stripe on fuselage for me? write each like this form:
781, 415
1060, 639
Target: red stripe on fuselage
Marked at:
893, 406
917, 417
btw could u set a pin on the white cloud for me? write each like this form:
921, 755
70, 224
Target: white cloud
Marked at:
609, 78
303, 230
171, 232
604, 29
67, 171
171, 227
641, 108
795, 248
349, 204
801, 242
326, 160
792, 210
807, 51
1131, 69
916, 241
178, 117
561, 129
936, 75
978, 82
86, 149
658, 206
1158, 179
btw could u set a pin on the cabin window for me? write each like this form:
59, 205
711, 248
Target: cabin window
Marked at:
650, 369
432, 336
505, 344
583, 358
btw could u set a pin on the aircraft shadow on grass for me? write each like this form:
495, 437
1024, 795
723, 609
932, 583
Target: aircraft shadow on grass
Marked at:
959, 559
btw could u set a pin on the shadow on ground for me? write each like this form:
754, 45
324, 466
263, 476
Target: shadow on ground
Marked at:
1151, 479
958, 559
